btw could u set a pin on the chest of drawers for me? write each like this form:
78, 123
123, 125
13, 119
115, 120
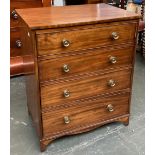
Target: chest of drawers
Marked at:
16, 43
17, 66
83, 67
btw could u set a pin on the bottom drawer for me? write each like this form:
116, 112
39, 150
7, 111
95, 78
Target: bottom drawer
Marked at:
84, 113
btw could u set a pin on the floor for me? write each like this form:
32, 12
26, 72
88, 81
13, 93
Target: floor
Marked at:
112, 139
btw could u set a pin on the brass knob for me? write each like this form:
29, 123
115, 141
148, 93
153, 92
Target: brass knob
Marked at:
65, 42
111, 83
18, 43
14, 14
112, 59
65, 68
66, 120
66, 93
114, 35
110, 108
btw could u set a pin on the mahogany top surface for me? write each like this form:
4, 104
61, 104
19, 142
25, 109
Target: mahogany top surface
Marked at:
58, 16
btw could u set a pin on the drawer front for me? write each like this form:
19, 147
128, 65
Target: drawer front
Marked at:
76, 63
19, 4
84, 114
62, 40
99, 83
14, 19
16, 44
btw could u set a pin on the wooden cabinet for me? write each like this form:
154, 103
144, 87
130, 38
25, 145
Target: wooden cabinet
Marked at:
16, 42
83, 67
17, 45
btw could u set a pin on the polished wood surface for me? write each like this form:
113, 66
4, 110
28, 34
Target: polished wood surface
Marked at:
32, 81
46, 141
21, 65
14, 23
83, 114
92, 89
18, 66
47, 3
84, 87
52, 17
19, 4
78, 62
16, 28
16, 45
50, 42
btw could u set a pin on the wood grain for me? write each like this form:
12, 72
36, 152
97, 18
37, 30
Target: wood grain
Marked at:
15, 35
88, 28
79, 62
53, 94
32, 82
91, 112
51, 43
14, 23
20, 4
47, 140
52, 17
16, 28
47, 3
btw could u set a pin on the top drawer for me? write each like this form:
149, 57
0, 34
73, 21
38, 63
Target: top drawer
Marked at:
84, 37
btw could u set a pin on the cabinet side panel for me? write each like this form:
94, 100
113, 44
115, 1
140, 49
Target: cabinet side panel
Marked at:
33, 102
133, 62
32, 82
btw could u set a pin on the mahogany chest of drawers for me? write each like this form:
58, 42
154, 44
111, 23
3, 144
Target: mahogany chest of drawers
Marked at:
15, 27
17, 66
83, 67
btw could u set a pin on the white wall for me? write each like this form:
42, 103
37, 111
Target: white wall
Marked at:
58, 2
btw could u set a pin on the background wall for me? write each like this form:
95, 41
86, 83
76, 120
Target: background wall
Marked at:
58, 2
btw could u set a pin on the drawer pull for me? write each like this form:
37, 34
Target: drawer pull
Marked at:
65, 42
66, 93
18, 43
65, 68
110, 108
115, 36
111, 83
14, 14
66, 120
112, 59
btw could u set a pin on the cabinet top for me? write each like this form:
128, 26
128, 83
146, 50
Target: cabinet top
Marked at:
63, 16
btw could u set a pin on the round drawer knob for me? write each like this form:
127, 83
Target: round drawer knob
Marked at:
18, 43
112, 59
65, 42
66, 120
14, 14
115, 36
111, 83
65, 68
110, 108
66, 93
